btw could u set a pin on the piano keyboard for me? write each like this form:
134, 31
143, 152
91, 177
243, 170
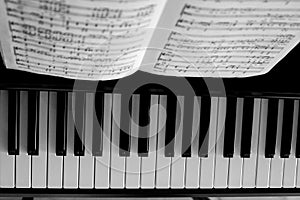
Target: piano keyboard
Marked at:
196, 142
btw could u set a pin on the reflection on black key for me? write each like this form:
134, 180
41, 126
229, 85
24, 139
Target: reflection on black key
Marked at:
229, 133
298, 135
98, 124
204, 126
271, 128
247, 123
13, 122
33, 123
287, 128
124, 143
79, 117
144, 120
170, 125
61, 123
187, 126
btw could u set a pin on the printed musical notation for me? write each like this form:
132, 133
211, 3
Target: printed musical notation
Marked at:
237, 39
108, 39
79, 39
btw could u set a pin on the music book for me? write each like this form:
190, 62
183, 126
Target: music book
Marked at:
111, 39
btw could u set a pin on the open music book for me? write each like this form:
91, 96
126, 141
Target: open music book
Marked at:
110, 39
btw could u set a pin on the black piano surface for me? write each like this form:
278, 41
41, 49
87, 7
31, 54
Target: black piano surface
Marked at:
283, 81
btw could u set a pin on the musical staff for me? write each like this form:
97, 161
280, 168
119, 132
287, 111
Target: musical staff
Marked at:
73, 25
238, 39
231, 26
61, 8
239, 48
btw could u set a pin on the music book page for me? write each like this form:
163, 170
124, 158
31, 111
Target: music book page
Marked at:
223, 38
80, 39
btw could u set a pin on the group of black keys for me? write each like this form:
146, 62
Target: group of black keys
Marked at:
144, 119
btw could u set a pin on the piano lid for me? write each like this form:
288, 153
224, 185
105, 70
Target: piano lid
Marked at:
282, 80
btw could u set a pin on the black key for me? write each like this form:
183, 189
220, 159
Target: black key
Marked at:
144, 120
204, 126
229, 132
271, 129
33, 123
287, 128
247, 123
298, 136
79, 119
124, 143
13, 122
61, 123
187, 126
170, 125
98, 117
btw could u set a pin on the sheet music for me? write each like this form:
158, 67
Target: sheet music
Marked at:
223, 38
82, 39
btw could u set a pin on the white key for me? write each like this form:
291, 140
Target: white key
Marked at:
192, 178
249, 168
221, 163
298, 173
102, 165
86, 172
163, 164
39, 163
133, 161
208, 164
148, 163
71, 162
55, 163
7, 162
263, 164
117, 173
23, 160
178, 162
276, 166
289, 171
236, 162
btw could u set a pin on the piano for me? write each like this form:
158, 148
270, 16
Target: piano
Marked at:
229, 137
